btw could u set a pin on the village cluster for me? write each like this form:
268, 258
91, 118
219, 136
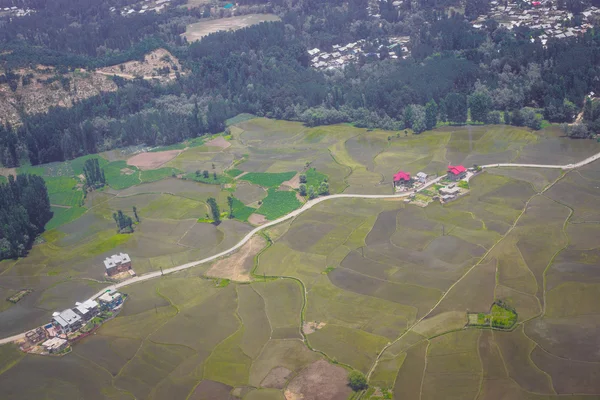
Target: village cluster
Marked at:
72, 324
153, 5
541, 16
16, 11
342, 55
449, 190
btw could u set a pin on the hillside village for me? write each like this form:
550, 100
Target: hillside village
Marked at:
342, 55
541, 16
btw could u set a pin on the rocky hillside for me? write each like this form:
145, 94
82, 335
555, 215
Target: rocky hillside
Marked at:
36, 90
157, 65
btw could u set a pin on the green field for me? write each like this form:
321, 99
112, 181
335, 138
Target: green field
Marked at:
233, 172
120, 175
374, 285
64, 215
268, 180
278, 203
158, 174
64, 191
241, 211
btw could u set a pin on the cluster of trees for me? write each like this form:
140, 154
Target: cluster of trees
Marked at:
310, 191
454, 73
94, 175
125, 222
215, 211
24, 211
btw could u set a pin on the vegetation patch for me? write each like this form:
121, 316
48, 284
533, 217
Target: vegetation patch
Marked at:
233, 172
211, 178
278, 204
268, 179
119, 175
501, 316
64, 191
241, 211
314, 178
158, 174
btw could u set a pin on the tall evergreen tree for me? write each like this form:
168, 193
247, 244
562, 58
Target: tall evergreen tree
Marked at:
24, 211
214, 209
431, 113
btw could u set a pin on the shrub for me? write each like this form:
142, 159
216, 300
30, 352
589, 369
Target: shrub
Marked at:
357, 381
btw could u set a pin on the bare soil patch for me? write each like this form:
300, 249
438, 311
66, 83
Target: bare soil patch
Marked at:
151, 160
127, 171
257, 219
219, 142
238, 265
319, 381
312, 327
198, 30
45, 91
147, 69
276, 378
8, 171
294, 183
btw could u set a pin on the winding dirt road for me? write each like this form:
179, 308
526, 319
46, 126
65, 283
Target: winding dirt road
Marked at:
307, 206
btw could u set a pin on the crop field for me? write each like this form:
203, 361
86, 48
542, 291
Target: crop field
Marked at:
266, 179
379, 286
278, 203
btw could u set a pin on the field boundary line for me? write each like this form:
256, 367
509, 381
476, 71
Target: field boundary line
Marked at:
308, 205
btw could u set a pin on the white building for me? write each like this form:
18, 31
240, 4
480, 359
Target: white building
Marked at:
67, 320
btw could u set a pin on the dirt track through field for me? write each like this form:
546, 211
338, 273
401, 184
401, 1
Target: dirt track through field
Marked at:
307, 206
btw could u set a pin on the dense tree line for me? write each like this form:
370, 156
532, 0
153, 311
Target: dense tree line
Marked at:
94, 175
24, 210
454, 73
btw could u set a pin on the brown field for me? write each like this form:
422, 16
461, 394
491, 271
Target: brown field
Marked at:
237, 267
218, 142
153, 160
294, 183
257, 219
319, 381
198, 30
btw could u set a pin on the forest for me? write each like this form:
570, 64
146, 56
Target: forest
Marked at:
453, 74
24, 210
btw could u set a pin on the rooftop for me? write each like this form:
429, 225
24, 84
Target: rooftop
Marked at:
117, 259
401, 176
109, 296
456, 169
66, 318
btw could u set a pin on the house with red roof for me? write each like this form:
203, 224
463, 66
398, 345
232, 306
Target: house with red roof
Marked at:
402, 178
456, 172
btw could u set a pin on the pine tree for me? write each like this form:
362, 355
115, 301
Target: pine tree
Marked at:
230, 204
431, 111
214, 209
135, 214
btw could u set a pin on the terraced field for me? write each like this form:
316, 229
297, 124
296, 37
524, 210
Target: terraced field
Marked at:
379, 286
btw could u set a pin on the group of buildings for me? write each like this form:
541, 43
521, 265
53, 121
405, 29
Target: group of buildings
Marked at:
16, 11
155, 5
71, 323
66, 325
342, 55
404, 182
541, 16
55, 337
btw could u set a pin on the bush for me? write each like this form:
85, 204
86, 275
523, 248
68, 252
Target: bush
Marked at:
357, 381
